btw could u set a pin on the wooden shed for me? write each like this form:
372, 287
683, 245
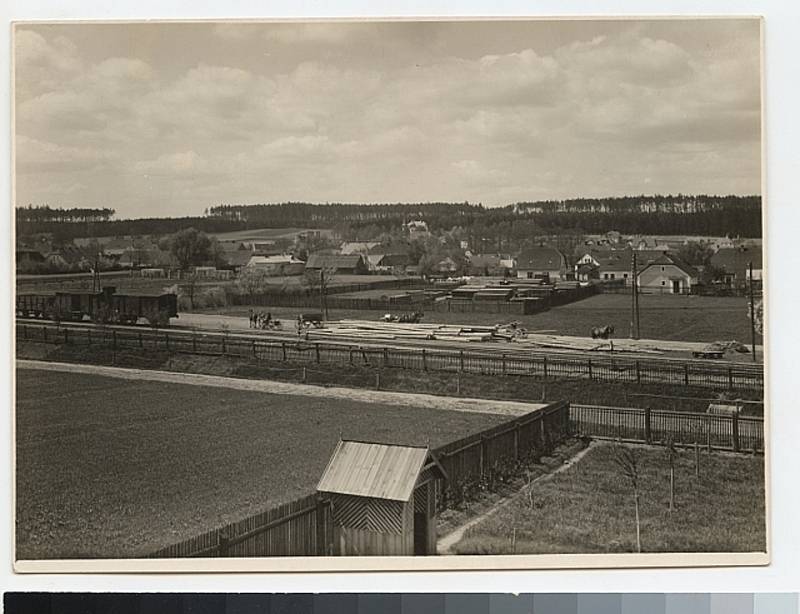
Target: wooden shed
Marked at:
382, 499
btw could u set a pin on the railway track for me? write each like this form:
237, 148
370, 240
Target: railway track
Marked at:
499, 347
489, 359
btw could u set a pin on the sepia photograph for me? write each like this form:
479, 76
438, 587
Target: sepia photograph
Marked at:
389, 294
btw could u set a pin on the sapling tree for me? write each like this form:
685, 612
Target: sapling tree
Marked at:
672, 453
627, 459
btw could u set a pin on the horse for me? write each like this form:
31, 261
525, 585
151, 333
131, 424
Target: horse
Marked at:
604, 332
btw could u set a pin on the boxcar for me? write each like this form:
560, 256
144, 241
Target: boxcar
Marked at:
102, 307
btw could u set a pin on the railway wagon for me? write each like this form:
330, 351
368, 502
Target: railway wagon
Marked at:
103, 307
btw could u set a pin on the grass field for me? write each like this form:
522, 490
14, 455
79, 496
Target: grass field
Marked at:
107, 467
684, 318
588, 508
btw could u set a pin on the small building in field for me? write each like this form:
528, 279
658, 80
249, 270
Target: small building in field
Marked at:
667, 275
542, 263
278, 265
382, 499
346, 264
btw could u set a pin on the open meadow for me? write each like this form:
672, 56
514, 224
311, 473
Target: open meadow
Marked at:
110, 467
588, 508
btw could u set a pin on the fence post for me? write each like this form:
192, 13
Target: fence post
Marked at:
316, 349
590, 368
544, 365
648, 433
114, 340
730, 378
283, 350
638, 373
141, 341
504, 363
89, 336
350, 354
424, 360
483, 456
194, 343
686, 373
385, 357
516, 441
322, 546
66, 336
255, 353
45, 334
735, 432
222, 547
461, 360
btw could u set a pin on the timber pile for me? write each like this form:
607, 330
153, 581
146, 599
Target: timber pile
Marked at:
368, 331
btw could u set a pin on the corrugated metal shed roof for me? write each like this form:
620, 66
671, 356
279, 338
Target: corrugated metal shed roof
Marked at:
375, 470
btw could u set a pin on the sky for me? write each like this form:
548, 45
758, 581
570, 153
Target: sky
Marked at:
169, 119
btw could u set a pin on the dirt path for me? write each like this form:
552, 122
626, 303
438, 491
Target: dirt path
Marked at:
483, 406
446, 543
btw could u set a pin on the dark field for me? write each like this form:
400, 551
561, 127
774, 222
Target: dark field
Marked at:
682, 318
111, 468
588, 508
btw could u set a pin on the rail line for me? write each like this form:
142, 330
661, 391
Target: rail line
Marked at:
500, 360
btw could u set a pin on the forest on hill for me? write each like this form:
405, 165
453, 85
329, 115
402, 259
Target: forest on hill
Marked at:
656, 214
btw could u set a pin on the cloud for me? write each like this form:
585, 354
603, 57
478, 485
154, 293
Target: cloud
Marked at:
382, 112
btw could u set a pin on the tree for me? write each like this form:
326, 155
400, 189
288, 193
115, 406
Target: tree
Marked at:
319, 280
627, 459
252, 280
758, 315
190, 247
696, 253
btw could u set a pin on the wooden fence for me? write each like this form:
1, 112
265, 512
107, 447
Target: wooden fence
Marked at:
304, 527
734, 433
727, 376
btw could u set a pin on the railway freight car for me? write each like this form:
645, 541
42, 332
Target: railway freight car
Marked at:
102, 307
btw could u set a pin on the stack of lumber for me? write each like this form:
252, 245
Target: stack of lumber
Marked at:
367, 331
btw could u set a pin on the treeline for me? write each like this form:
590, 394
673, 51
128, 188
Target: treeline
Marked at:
658, 214
44, 214
285, 215
144, 226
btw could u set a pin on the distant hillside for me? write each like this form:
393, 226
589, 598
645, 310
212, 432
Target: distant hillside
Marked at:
680, 214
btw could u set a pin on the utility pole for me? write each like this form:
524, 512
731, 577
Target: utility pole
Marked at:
322, 292
752, 314
634, 298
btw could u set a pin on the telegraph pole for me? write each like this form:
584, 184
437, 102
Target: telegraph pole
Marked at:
752, 314
634, 298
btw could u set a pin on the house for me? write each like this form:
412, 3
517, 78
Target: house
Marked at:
487, 264
389, 261
667, 274
618, 263
735, 262
357, 247
446, 266
349, 264
542, 263
278, 265
586, 272
417, 228
238, 259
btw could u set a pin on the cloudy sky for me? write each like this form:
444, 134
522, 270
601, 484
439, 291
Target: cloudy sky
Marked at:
169, 119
